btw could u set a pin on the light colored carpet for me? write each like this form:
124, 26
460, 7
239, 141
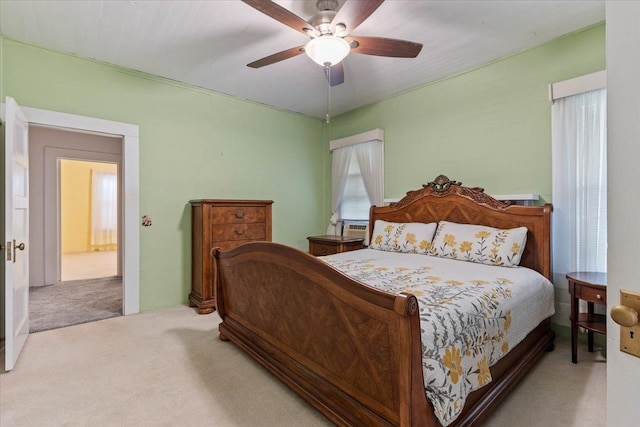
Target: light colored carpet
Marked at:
167, 367
74, 302
558, 393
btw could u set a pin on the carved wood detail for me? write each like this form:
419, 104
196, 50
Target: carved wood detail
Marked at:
441, 183
442, 186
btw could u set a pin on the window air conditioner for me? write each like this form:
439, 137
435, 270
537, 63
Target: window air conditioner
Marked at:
356, 230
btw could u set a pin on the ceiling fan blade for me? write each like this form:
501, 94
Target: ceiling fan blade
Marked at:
380, 46
277, 57
282, 15
335, 74
353, 13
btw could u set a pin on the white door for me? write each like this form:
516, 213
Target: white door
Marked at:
16, 232
623, 152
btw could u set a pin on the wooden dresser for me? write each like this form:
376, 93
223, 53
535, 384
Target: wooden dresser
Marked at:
224, 224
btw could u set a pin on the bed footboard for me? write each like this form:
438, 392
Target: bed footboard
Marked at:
351, 351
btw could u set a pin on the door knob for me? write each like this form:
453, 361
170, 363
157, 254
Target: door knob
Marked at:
624, 316
21, 246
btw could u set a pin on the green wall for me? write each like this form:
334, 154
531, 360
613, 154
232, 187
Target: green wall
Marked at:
489, 127
193, 144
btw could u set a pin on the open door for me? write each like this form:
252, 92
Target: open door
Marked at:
16, 232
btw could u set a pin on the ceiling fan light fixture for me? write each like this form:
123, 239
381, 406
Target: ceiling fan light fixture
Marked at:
327, 50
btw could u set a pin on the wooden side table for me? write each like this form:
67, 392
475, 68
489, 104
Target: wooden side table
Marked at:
591, 287
329, 245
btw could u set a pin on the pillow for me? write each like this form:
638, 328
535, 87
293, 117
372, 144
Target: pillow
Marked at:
410, 237
479, 244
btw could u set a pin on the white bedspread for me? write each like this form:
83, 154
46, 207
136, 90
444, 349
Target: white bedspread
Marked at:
471, 314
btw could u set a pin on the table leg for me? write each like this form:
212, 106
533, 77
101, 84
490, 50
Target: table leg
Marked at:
590, 333
574, 326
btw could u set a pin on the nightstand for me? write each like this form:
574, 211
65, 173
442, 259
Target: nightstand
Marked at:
328, 245
591, 287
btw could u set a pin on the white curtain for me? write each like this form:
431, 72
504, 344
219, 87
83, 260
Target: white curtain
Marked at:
104, 209
369, 156
339, 173
579, 148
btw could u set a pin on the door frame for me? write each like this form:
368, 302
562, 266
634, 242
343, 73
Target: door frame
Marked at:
130, 186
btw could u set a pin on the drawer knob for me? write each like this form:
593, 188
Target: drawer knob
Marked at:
599, 296
239, 214
241, 232
624, 316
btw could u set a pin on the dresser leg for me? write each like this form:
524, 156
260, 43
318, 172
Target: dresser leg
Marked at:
204, 307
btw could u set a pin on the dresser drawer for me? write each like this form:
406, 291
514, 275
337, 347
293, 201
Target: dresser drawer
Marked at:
329, 245
592, 295
319, 249
238, 214
227, 246
253, 231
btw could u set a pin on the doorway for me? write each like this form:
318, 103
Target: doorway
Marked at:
130, 179
75, 216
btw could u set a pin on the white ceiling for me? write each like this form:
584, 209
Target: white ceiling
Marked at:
209, 43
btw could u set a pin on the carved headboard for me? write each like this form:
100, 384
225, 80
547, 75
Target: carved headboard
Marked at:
445, 200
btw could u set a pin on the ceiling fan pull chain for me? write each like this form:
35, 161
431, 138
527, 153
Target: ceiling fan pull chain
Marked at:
327, 118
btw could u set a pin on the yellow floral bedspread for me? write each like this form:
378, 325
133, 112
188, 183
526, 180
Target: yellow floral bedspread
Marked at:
471, 314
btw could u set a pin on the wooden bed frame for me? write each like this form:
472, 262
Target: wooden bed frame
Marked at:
352, 351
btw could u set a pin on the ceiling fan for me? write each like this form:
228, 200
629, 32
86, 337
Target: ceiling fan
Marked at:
329, 31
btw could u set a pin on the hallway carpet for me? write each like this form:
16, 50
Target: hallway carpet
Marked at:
74, 302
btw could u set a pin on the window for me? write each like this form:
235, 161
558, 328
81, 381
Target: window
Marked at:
355, 202
104, 209
357, 177
579, 183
